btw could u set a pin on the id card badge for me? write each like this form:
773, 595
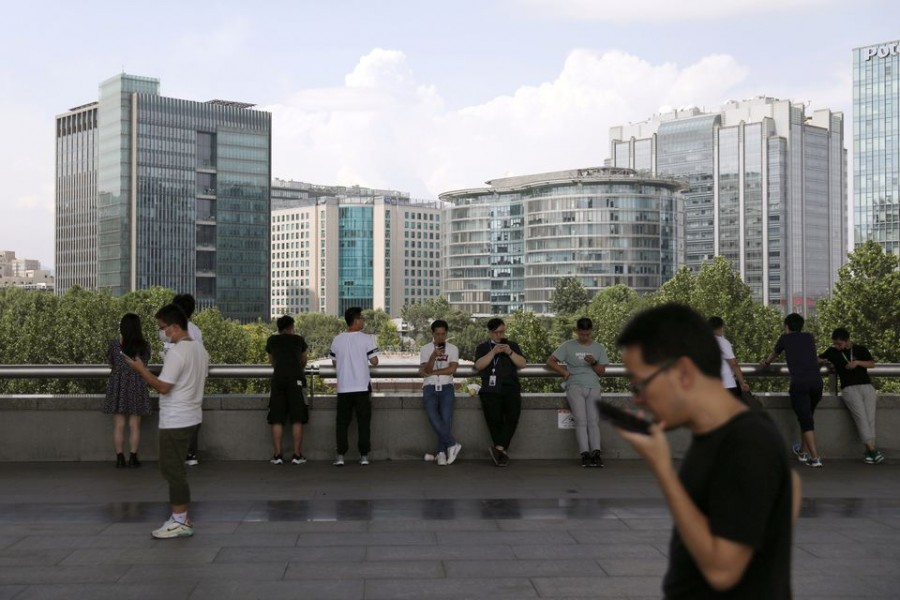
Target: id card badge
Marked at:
438, 387
492, 381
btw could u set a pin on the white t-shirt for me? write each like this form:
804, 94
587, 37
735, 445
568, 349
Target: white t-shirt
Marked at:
727, 353
185, 368
442, 361
351, 352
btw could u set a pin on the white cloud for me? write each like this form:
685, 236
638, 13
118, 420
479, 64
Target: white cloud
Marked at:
385, 129
663, 10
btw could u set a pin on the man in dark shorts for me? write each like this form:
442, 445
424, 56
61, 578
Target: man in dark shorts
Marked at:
287, 354
734, 498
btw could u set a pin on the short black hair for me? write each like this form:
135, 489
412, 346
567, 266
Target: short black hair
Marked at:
351, 314
670, 331
494, 323
716, 323
285, 322
186, 302
840, 334
584, 324
172, 314
794, 322
438, 323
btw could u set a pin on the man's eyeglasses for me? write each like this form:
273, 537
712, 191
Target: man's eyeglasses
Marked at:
638, 386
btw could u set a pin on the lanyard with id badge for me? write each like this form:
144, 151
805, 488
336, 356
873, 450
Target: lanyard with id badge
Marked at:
492, 380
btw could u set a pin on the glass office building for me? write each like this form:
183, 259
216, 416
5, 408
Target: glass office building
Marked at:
505, 247
876, 145
178, 197
766, 189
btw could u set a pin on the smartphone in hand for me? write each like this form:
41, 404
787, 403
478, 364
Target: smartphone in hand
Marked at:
623, 418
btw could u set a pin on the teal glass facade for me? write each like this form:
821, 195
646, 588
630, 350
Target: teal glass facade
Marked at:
355, 257
876, 145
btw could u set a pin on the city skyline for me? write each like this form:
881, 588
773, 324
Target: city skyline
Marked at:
427, 99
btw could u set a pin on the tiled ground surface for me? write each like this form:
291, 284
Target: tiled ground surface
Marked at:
538, 529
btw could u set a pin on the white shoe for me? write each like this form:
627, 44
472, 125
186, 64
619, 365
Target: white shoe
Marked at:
441, 459
453, 452
429, 457
173, 529
338, 460
364, 460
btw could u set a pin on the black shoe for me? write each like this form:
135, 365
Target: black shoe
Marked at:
495, 455
504, 459
120, 461
596, 460
133, 460
586, 459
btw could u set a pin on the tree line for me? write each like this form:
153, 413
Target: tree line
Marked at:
75, 327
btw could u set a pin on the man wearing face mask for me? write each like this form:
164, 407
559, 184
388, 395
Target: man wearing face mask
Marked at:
498, 361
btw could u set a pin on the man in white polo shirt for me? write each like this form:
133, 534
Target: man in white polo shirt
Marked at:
352, 352
180, 385
439, 360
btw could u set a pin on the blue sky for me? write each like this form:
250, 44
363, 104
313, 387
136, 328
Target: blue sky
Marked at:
417, 95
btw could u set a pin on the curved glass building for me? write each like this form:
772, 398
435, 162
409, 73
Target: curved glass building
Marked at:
504, 247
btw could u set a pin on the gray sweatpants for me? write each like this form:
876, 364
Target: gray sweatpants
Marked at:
583, 404
860, 401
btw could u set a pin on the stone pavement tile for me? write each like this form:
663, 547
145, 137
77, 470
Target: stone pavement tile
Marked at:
50, 528
48, 542
433, 589
195, 573
656, 536
885, 535
571, 525
649, 524
809, 535
279, 590
852, 550
436, 525
871, 568
144, 528
8, 592
521, 568
820, 585
222, 540
382, 569
108, 591
440, 552
403, 538
165, 552
649, 567
49, 556
59, 574
352, 554
512, 538
596, 587
543, 551
301, 526
8, 540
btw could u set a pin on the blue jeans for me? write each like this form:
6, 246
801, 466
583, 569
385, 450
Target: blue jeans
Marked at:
439, 407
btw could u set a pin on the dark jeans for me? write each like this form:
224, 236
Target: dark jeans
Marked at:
501, 413
192, 446
347, 404
439, 408
805, 396
173, 445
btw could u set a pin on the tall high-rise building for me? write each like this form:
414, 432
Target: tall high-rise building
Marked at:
767, 190
506, 246
334, 247
876, 145
158, 191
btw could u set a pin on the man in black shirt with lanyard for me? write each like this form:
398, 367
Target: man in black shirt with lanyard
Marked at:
498, 360
850, 362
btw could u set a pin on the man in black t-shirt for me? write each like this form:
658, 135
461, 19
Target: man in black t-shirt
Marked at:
498, 361
734, 498
287, 354
850, 361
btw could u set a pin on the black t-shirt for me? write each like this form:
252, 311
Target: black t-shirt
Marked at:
502, 366
840, 358
739, 478
800, 354
286, 351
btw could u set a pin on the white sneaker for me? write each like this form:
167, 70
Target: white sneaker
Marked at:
441, 459
173, 529
429, 457
364, 460
453, 452
339, 460
276, 460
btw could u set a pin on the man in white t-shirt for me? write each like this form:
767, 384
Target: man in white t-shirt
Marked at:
732, 377
439, 360
187, 303
351, 353
180, 385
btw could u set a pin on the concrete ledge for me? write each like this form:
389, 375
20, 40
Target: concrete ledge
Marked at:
72, 428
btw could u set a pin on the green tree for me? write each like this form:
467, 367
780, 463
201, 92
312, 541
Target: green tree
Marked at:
468, 338
319, 329
379, 324
569, 297
418, 318
227, 342
532, 333
610, 310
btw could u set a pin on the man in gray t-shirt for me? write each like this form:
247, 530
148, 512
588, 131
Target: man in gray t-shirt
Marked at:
581, 362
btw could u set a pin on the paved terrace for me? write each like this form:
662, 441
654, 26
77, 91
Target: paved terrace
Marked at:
405, 529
